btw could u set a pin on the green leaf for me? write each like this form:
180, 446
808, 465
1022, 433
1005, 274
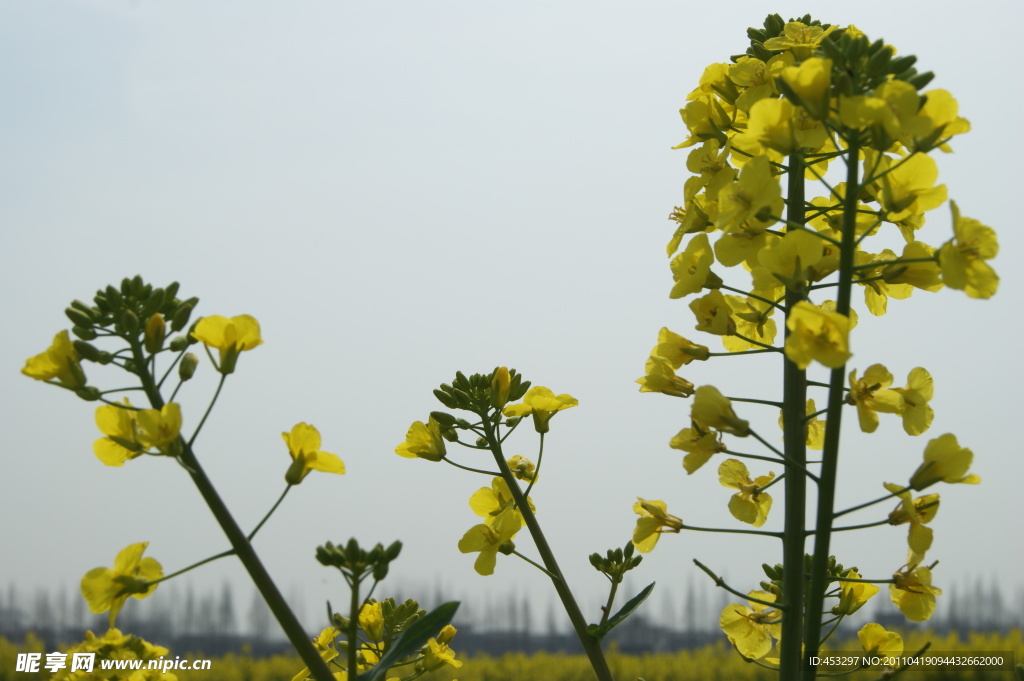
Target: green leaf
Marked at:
412, 639
624, 612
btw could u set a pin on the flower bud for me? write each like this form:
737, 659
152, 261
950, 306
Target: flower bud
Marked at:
129, 321
156, 331
178, 343
88, 393
499, 387
85, 333
187, 367
446, 634
79, 318
86, 351
181, 316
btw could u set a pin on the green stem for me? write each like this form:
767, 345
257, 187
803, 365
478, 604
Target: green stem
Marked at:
742, 352
269, 513
590, 644
726, 530
847, 528
830, 453
209, 408
353, 627
608, 606
536, 469
193, 566
467, 468
751, 400
794, 391
533, 563
870, 503
720, 582
239, 544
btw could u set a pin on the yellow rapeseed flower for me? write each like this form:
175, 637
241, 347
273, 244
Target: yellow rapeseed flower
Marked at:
799, 38
714, 409
107, 589
678, 350
748, 505
130, 433
913, 593
916, 412
872, 395
944, 461
690, 269
490, 502
423, 440
962, 259
660, 378
918, 512
487, 539
876, 640
60, 363
229, 336
304, 446
371, 620
542, 403
653, 521
752, 629
700, 442
817, 334
714, 314
853, 595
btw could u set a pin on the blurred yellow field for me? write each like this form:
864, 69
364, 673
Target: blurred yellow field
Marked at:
710, 663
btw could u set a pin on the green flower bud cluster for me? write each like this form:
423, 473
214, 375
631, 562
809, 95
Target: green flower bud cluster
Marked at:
355, 562
127, 311
474, 393
616, 563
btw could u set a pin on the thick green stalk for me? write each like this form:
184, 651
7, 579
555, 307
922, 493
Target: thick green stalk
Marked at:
830, 453
243, 549
794, 391
590, 644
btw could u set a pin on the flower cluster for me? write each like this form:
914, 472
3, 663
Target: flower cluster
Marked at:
812, 105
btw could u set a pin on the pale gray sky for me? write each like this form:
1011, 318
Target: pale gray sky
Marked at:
401, 190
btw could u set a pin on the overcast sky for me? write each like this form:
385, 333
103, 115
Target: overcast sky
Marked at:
401, 190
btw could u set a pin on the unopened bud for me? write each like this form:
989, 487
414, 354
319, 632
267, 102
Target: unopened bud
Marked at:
129, 321
187, 367
499, 387
88, 393
156, 331
447, 633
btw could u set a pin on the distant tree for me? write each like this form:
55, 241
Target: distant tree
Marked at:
690, 615
260, 617
42, 612
187, 621
226, 611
